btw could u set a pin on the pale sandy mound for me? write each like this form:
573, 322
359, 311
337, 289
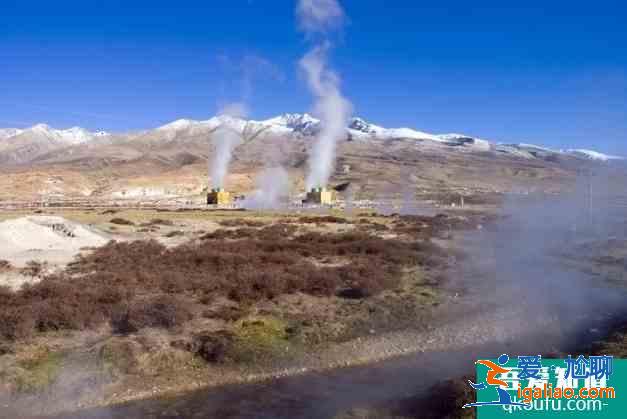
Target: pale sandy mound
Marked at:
44, 238
15, 280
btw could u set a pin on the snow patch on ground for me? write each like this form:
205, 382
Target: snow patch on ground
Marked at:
54, 240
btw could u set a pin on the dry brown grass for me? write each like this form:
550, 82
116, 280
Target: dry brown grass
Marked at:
164, 311
141, 284
33, 268
424, 227
241, 222
331, 219
121, 221
5, 265
157, 222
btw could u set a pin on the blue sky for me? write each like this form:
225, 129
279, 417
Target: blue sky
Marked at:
552, 73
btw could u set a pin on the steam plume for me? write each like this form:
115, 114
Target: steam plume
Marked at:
234, 110
272, 190
332, 108
226, 140
319, 15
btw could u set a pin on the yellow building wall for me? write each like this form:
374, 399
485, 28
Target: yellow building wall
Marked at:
218, 197
320, 196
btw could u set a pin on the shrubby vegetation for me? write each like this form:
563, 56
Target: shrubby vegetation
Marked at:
133, 285
121, 221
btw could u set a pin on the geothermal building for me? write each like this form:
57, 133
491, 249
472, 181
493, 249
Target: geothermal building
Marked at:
321, 196
218, 196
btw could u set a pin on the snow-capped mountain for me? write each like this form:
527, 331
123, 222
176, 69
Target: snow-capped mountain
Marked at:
9, 132
306, 125
530, 151
70, 136
358, 127
19, 146
286, 124
533, 147
592, 155
299, 123
193, 126
22, 145
178, 125
465, 140
527, 151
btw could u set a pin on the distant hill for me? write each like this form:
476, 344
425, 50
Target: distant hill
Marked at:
172, 160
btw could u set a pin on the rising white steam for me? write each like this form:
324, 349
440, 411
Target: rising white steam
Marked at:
225, 139
333, 111
272, 190
332, 108
319, 15
234, 110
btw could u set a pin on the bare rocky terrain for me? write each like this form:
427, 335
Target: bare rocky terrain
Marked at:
171, 163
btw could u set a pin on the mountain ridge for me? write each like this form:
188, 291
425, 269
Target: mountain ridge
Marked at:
41, 139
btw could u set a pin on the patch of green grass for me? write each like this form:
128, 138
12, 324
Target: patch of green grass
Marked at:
427, 296
36, 371
415, 283
118, 357
169, 361
260, 339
